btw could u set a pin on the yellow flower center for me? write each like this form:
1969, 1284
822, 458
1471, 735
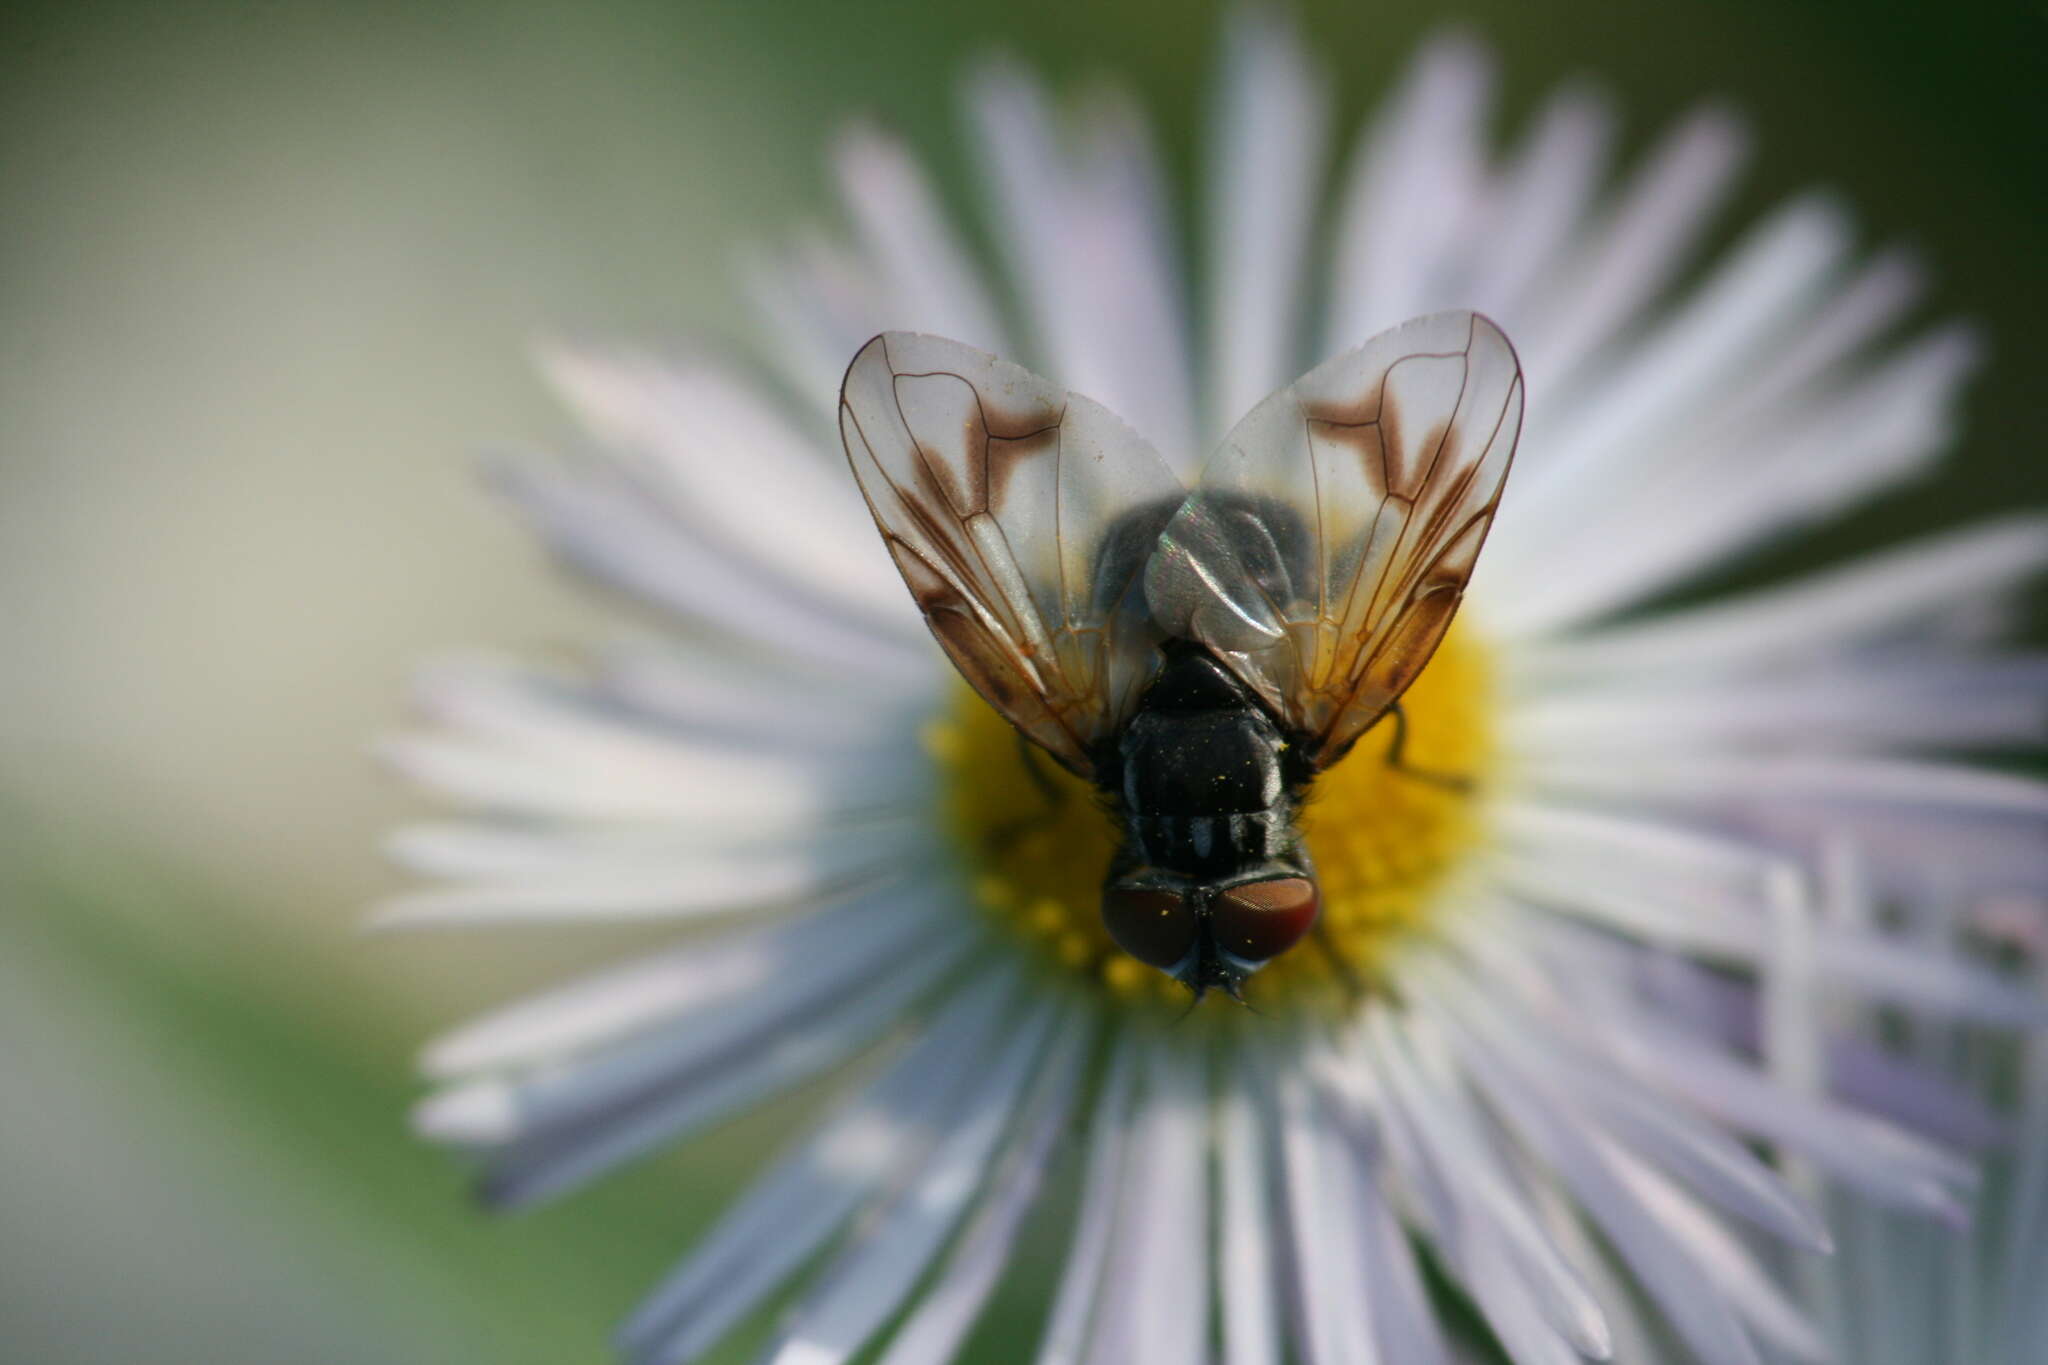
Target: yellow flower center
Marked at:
1037, 842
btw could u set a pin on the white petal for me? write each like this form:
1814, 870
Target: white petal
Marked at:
748, 700
1627, 1310
1642, 239
553, 747
1946, 703
1611, 431
1706, 1160
2022, 1245
1730, 1268
598, 521
1406, 1320
1855, 314
574, 1118
687, 885
1843, 780
1813, 459
1538, 203
1157, 1310
1246, 1264
760, 797
595, 1114
934, 1330
882, 1131
817, 302
933, 284
1605, 1013
1944, 985
1526, 1289
1066, 1326
1672, 917
583, 1143
1915, 1097
1724, 921
1403, 1324
1505, 1303
1086, 237
698, 975
1872, 597
1268, 135
1438, 1132
1138, 322
1665, 1267
485, 850
1901, 843
1327, 1260
1883, 1161
1632, 843
556, 711
744, 478
1681, 365
870, 1278
1411, 193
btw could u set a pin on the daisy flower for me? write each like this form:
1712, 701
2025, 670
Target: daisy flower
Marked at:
1594, 1078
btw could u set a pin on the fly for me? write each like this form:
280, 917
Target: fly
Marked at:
1200, 655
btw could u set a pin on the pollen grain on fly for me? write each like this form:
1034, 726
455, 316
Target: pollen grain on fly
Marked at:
1035, 843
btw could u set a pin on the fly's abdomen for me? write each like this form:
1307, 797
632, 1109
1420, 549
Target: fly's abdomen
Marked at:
1203, 790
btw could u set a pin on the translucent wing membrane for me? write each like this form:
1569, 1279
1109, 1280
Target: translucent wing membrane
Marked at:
1329, 540
1021, 517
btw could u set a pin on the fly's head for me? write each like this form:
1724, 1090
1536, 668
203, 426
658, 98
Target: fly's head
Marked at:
1206, 935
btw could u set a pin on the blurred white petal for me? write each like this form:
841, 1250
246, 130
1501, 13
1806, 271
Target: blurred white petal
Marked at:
884, 1129
1247, 1252
1157, 1309
1086, 235
1412, 190
1673, 376
1667, 1268
941, 1321
932, 283
1325, 1252
696, 978
1883, 593
864, 1285
1268, 137
1437, 1137
749, 479
1535, 204
1109, 1131
1623, 262
602, 523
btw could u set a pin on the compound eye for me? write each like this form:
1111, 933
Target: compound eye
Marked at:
1259, 921
1156, 927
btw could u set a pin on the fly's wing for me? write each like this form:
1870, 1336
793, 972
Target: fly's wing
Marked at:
1021, 517
1326, 547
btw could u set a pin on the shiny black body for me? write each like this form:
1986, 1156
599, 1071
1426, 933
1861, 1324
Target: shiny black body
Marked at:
1203, 780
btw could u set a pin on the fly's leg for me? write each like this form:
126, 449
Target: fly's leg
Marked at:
1354, 985
1005, 835
1452, 782
1040, 778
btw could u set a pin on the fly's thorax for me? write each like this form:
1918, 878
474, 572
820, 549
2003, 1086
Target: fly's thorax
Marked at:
1201, 763
1199, 779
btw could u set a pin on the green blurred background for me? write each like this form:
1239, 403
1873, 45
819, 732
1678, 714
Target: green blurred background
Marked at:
267, 278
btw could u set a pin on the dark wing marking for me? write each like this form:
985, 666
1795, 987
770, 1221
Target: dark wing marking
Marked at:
1021, 518
1328, 542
